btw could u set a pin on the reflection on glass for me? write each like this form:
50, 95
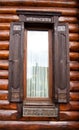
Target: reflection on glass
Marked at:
37, 64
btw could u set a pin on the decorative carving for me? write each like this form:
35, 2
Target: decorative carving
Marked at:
17, 27
61, 28
40, 111
38, 19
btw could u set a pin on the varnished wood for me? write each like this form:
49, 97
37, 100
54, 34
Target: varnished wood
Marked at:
8, 18
70, 125
69, 113
4, 26
74, 86
4, 64
3, 95
5, 105
4, 35
74, 96
74, 66
69, 116
74, 37
65, 11
3, 84
71, 106
74, 56
42, 3
4, 45
73, 28
3, 74
4, 55
74, 46
74, 76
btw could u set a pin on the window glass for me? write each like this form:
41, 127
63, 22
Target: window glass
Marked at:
37, 64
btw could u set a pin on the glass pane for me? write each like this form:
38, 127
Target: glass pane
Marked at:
37, 64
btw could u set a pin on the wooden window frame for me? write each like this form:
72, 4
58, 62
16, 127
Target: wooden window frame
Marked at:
59, 62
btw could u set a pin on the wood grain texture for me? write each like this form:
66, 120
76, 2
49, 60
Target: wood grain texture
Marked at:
74, 46
69, 113
74, 86
12, 125
4, 45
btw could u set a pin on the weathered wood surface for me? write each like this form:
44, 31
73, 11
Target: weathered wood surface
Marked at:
69, 113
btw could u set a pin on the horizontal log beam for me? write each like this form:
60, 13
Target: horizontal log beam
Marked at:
11, 18
74, 56
3, 74
74, 76
68, 19
43, 3
5, 105
73, 28
65, 11
74, 37
74, 66
4, 26
8, 18
71, 106
4, 64
57, 125
74, 96
3, 95
4, 35
69, 116
4, 55
3, 84
74, 86
4, 45
74, 46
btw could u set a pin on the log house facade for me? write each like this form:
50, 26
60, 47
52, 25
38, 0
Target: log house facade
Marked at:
69, 113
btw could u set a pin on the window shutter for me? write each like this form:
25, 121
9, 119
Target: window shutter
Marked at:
16, 62
61, 64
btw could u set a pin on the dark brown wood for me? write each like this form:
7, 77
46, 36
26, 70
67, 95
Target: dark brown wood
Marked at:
16, 62
61, 64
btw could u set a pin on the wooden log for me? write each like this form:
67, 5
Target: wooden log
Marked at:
74, 46
74, 86
3, 74
3, 95
4, 45
74, 76
71, 106
4, 64
4, 35
42, 3
8, 115
65, 11
74, 66
74, 37
5, 105
74, 56
4, 55
74, 96
3, 84
5, 26
69, 116
56, 125
8, 18
73, 28
68, 19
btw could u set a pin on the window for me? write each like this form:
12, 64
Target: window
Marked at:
39, 63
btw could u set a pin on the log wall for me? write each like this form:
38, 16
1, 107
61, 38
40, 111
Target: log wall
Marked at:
69, 113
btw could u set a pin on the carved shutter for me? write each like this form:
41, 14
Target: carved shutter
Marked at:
16, 62
61, 64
